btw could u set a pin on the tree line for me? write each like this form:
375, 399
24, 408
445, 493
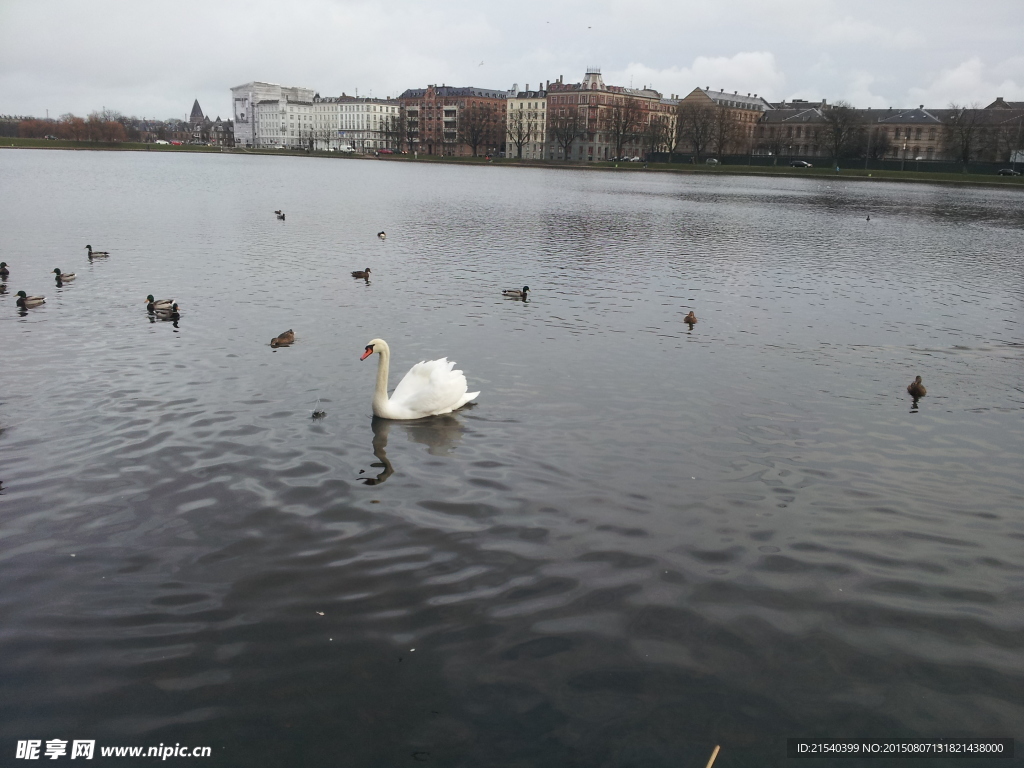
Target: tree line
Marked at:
102, 126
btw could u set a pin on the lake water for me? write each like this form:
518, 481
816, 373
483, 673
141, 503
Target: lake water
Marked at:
642, 541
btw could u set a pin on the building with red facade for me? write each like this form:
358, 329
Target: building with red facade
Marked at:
443, 120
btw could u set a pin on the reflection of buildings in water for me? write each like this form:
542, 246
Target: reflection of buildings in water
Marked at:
439, 433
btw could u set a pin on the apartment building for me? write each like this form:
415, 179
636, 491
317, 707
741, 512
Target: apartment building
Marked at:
526, 134
247, 96
437, 118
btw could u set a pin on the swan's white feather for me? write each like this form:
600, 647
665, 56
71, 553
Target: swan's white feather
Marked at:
430, 388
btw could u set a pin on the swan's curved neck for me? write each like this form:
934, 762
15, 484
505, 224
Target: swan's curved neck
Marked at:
380, 395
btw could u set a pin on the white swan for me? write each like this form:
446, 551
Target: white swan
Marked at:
429, 388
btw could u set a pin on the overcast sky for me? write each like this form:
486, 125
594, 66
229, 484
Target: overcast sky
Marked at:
153, 58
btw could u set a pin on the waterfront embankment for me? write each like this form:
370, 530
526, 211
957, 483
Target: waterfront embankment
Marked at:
852, 173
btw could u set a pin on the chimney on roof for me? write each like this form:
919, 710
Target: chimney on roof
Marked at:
921, 107
547, 85
707, 87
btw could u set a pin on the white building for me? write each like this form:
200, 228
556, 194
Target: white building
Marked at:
328, 123
364, 124
245, 99
526, 119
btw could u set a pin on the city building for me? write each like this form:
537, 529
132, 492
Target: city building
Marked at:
735, 134
444, 120
526, 123
202, 130
359, 123
245, 99
608, 121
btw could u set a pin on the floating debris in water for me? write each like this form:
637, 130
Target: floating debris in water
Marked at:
319, 613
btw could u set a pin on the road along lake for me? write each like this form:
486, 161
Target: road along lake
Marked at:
643, 540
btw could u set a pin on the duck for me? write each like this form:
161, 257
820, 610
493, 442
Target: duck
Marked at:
25, 302
382, 235
284, 339
277, 212
63, 277
4, 271
280, 216
430, 388
690, 318
96, 254
916, 388
364, 275
154, 304
514, 294
168, 313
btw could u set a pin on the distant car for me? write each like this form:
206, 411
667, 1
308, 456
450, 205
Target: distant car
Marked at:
177, 143
161, 141
1008, 172
347, 149
50, 138
799, 164
385, 151
711, 161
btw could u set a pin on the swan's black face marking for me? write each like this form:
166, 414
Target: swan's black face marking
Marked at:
368, 352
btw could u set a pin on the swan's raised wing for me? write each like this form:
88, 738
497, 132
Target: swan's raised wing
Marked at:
430, 388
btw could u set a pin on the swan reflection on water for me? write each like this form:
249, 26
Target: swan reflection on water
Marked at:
441, 434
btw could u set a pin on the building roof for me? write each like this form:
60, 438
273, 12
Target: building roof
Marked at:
793, 116
1000, 104
920, 116
528, 95
735, 99
197, 113
453, 92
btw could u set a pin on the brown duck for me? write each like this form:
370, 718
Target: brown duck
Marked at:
284, 339
916, 388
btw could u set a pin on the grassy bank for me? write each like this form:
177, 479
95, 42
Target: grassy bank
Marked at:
623, 167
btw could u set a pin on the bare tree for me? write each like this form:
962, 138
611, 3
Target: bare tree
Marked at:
696, 126
878, 143
395, 130
960, 132
567, 126
478, 126
624, 122
841, 129
520, 129
725, 128
657, 134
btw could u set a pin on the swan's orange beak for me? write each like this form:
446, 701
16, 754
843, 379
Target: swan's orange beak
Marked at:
367, 353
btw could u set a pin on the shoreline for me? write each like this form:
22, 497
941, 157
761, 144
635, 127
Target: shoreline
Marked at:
846, 174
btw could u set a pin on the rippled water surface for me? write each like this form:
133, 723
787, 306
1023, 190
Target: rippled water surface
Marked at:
643, 540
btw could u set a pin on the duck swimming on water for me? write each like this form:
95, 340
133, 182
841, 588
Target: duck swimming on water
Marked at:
690, 318
4, 271
154, 304
362, 275
916, 388
25, 302
284, 339
382, 235
63, 277
514, 294
96, 254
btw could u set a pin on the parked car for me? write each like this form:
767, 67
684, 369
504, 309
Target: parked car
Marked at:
50, 138
711, 161
348, 149
161, 141
1008, 172
177, 143
385, 151
799, 164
